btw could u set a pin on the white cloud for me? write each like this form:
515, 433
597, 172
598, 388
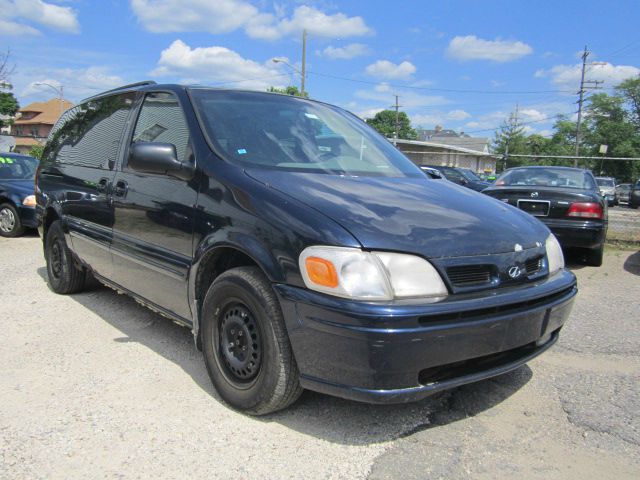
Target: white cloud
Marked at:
77, 83
471, 47
439, 118
389, 70
224, 16
383, 94
17, 15
568, 76
215, 64
345, 53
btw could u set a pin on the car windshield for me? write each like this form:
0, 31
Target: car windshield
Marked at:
17, 168
469, 175
547, 177
605, 182
266, 130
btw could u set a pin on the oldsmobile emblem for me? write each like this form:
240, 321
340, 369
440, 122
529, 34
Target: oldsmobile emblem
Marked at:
534, 194
517, 247
514, 272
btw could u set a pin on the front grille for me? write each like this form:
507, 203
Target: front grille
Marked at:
469, 275
533, 265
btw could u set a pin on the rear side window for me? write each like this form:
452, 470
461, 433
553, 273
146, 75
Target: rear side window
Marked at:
89, 134
161, 120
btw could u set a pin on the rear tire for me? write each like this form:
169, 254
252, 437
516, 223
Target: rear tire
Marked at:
64, 275
10, 224
594, 257
245, 343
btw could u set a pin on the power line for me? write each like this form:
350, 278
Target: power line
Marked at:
434, 89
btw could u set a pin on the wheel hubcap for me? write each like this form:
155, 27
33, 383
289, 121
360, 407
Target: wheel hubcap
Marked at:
240, 343
7, 220
56, 259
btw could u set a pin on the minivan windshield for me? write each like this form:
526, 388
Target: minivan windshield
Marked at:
266, 130
547, 177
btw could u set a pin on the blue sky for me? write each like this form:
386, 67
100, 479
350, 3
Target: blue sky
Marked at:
462, 64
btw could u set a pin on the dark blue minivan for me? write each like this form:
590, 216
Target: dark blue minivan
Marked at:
299, 246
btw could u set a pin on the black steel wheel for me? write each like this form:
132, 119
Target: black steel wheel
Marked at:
245, 343
239, 344
63, 274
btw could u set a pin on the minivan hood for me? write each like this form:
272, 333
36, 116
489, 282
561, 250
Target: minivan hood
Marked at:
428, 217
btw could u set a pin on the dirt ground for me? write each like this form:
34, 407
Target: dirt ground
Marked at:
95, 386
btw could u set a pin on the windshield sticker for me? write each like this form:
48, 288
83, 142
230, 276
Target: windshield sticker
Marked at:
241, 151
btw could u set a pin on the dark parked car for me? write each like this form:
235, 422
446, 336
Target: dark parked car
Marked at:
300, 247
432, 173
462, 176
607, 187
634, 196
17, 199
622, 192
566, 200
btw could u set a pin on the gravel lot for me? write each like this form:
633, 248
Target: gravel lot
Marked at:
624, 223
93, 385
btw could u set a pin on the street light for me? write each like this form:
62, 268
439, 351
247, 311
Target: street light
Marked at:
58, 90
304, 62
280, 60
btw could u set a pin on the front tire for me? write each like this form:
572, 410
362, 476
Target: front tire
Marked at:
64, 275
10, 224
245, 343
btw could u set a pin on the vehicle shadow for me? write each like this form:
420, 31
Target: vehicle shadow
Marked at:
328, 418
632, 263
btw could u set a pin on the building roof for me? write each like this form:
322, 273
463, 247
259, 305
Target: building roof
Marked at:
27, 142
445, 146
46, 112
479, 144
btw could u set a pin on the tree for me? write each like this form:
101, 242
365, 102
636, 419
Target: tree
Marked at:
629, 90
36, 151
290, 90
6, 69
385, 123
510, 139
8, 105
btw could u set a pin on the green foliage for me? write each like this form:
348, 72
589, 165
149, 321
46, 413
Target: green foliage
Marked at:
290, 90
36, 151
385, 123
8, 105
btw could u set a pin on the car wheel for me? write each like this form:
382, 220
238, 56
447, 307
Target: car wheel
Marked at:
594, 257
64, 275
245, 343
10, 224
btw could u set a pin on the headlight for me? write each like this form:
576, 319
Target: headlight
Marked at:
554, 254
353, 273
29, 201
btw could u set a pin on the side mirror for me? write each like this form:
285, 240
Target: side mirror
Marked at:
160, 158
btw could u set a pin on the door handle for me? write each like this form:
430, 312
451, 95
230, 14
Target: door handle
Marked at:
101, 187
121, 189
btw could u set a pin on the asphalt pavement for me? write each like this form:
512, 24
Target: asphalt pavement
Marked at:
95, 386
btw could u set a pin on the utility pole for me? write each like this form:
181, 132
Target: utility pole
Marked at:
397, 132
304, 61
584, 85
513, 125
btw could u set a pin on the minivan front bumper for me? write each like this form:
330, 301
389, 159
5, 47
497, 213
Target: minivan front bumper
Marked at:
403, 351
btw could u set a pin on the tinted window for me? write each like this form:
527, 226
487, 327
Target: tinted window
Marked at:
548, 177
605, 182
17, 168
161, 120
282, 132
89, 134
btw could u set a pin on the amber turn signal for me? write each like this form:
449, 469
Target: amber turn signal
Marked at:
322, 272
